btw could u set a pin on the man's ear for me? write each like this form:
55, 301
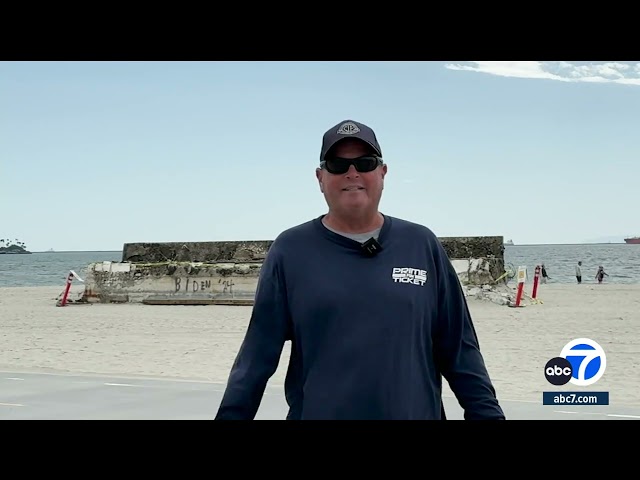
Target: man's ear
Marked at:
319, 178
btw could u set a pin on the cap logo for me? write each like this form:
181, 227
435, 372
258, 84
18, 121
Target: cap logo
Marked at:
348, 128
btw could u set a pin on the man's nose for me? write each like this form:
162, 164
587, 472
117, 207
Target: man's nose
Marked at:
352, 172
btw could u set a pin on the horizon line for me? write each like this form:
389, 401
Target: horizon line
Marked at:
505, 245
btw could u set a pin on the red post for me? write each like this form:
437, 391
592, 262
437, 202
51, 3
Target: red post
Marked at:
519, 294
536, 277
63, 301
522, 278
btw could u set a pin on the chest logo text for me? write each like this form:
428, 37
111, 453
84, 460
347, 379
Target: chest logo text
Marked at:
415, 276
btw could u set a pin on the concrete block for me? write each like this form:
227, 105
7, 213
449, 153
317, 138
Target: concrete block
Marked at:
197, 272
120, 267
460, 266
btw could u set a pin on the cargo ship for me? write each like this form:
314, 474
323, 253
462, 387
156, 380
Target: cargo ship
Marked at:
633, 240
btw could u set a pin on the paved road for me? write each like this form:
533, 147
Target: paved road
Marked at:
67, 396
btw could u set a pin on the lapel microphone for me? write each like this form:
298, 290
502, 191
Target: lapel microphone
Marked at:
371, 247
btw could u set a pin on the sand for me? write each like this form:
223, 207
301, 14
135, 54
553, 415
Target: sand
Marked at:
200, 342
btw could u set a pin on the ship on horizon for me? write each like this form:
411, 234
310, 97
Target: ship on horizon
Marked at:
632, 240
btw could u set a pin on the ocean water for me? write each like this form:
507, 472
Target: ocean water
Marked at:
48, 269
620, 261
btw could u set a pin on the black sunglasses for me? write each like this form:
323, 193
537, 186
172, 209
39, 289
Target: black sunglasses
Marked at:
338, 165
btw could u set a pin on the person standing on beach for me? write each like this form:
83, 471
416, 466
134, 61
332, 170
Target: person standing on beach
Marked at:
600, 274
579, 272
372, 306
545, 275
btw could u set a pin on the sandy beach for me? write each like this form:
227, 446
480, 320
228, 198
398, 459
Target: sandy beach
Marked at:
200, 342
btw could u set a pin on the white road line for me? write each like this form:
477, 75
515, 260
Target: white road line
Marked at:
620, 415
579, 413
506, 400
11, 404
623, 416
14, 378
122, 385
131, 377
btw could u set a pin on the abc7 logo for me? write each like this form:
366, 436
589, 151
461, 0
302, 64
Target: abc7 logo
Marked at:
582, 362
558, 371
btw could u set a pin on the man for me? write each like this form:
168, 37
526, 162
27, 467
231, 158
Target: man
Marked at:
579, 272
371, 304
545, 275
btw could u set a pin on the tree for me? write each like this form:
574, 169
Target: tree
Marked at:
15, 246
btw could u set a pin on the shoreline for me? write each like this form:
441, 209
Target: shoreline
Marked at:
586, 282
199, 343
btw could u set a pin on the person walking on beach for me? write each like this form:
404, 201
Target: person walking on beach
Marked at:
600, 274
372, 306
579, 272
544, 274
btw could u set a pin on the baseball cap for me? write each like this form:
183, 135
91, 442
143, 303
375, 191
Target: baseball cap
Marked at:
349, 129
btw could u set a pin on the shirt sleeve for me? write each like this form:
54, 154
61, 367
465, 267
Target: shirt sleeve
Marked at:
259, 354
457, 349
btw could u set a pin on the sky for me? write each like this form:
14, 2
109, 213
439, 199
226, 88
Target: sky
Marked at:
94, 155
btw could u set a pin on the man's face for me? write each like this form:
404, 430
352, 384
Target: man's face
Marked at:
352, 192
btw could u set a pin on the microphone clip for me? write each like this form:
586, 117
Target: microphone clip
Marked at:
371, 247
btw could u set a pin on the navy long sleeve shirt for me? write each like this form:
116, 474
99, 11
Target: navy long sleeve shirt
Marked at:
371, 337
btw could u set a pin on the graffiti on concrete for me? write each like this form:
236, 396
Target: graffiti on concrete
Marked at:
190, 285
227, 285
194, 285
